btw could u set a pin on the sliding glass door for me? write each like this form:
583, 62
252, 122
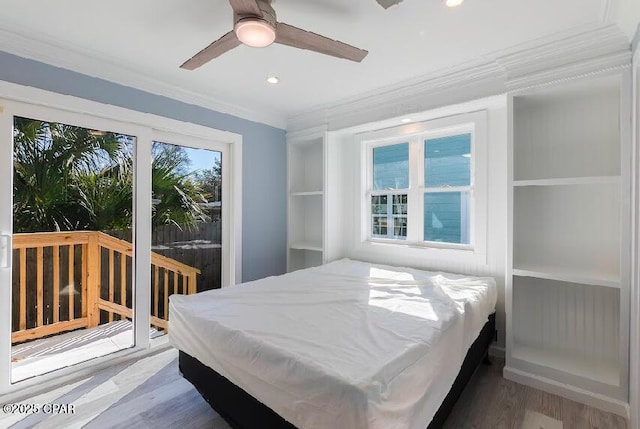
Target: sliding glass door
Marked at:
101, 221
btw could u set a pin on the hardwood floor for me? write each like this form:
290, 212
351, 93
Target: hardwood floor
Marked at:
150, 393
492, 402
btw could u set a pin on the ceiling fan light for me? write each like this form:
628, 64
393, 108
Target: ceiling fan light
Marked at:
255, 32
453, 3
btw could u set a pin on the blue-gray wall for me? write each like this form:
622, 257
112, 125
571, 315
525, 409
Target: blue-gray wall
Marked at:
264, 153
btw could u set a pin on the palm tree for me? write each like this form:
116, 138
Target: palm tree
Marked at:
176, 195
70, 178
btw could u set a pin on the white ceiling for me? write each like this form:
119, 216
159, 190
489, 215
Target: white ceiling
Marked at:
152, 38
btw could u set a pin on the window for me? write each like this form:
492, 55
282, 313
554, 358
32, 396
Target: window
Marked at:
389, 196
422, 189
448, 191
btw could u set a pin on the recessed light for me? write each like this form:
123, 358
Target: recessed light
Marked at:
453, 3
273, 80
405, 120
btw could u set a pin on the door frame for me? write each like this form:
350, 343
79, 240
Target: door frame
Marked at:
18, 100
634, 355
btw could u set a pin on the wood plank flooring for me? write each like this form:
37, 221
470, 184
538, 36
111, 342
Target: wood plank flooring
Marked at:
150, 393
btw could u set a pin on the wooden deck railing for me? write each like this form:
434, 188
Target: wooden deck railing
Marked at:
80, 279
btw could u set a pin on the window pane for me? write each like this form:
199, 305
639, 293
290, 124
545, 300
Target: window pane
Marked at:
73, 200
379, 226
186, 225
448, 161
379, 204
400, 227
391, 167
400, 204
447, 217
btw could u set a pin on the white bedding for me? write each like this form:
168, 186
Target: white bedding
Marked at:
346, 345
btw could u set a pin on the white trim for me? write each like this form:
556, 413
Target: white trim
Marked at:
570, 181
634, 352
626, 145
601, 402
569, 277
6, 228
31, 102
142, 239
608, 11
574, 52
68, 103
76, 60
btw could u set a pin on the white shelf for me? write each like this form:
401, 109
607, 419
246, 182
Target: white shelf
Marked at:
306, 193
591, 369
549, 273
566, 319
592, 180
568, 230
306, 246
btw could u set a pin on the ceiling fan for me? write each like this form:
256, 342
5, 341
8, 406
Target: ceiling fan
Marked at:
255, 25
388, 3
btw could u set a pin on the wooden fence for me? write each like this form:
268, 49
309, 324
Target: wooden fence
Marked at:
199, 247
80, 279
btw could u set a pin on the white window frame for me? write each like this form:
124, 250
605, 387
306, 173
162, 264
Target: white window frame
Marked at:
18, 100
415, 135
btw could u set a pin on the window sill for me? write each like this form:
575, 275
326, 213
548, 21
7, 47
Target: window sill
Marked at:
412, 253
423, 245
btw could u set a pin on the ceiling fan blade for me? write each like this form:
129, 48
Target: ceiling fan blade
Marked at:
214, 50
246, 7
292, 36
388, 3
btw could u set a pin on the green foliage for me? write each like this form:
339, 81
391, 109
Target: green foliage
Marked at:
211, 181
176, 195
70, 178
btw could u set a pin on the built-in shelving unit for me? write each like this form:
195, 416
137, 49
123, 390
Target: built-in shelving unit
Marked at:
567, 279
306, 201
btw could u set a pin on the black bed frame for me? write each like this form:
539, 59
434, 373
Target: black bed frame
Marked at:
243, 411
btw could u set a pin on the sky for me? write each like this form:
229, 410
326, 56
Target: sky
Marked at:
202, 159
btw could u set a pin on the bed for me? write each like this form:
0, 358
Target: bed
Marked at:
346, 345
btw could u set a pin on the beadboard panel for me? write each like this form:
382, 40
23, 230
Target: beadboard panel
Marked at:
305, 166
550, 225
573, 132
568, 318
308, 225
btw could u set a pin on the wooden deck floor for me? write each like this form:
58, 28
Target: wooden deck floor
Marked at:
59, 351
150, 393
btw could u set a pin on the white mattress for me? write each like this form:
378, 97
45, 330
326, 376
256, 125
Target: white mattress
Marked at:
346, 345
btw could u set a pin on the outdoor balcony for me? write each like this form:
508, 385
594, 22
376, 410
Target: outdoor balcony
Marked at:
72, 297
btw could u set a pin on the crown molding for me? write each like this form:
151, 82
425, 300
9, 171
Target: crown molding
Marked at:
576, 52
608, 11
306, 134
80, 61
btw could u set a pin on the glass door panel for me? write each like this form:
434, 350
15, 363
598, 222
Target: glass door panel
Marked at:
186, 236
72, 287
